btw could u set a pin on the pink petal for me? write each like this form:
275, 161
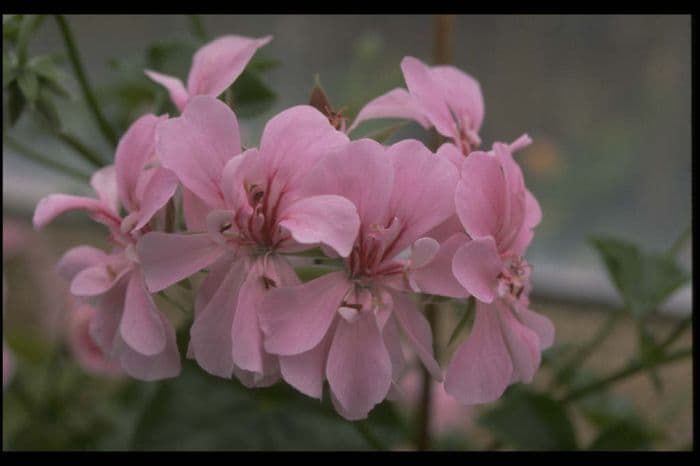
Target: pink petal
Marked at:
539, 324
534, 211
79, 258
104, 182
197, 145
158, 192
396, 103
428, 95
392, 341
481, 195
423, 191
452, 153
295, 319
194, 210
135, 149
423, 251
141, 328
359, 366
177, 91
481, 368
104, 327
360, 172
476, 266
328, 219
307, 371
217, 65
96, 280
210, 335
523, 345
211, 283
462, 94
163, 365
436, 277
54, 205
246, 335
417, 329
168, 258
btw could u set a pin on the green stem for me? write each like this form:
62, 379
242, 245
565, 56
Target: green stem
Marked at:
172, 301
363, 429
42, 159
585, 351
676, 333
79, 71
678, 245
197, 27
631, 369
76, 144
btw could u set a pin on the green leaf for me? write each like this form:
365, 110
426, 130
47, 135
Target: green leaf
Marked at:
644, 280
197, 411
604, 408
9, 68
15, 103
466, 318
306, 274
251, 96
628, 434
26, 29
47, 109
530, 421
29, 85
52, 76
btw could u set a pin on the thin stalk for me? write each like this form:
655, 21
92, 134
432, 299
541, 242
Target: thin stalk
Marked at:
676, 333
79, 71
422, 440
197, 27
42, 159
76, 144
631, 369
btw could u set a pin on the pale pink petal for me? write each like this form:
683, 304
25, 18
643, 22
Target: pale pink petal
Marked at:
539, 324
452, 153
141, 328
210, 335
522, 142
163, 365
197, 145
359, 367
79, 258
307, 371
104, 327
328, 219
423, 251
246, 336
54, 205
256, 379
523, 345
217, 65
158, 192
96, 280
168, 258
476, 266
295, 319
194, 210
177, 91
396, 103
462, 94
360, 172
481, 368
423, 191
85, 350
481, 195
428, 95
216, 274
104, 182
417, 330
534, 211
392, 341
436, 277
135, 149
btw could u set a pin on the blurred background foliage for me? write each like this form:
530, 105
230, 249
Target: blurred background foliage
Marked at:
606, 100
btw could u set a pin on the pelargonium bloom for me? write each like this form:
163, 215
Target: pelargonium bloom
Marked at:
215, 67
128, 326
499, 214
343, 326
86, 351
442, 97
253, 210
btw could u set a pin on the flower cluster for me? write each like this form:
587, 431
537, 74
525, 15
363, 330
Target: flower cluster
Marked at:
391, 224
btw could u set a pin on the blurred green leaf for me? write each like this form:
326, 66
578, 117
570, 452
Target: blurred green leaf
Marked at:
306, 274
251, 96
644, 280
15, 103
29, 85
530, 421
9, 68
47, 109
198, 411
10, 27
50, 74
604, 408
467, 317
27, 27
627, 434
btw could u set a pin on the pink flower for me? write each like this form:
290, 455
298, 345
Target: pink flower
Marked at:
128, 326
251, 208
442, 97
215, 67
86, 351
344, 326
499, 214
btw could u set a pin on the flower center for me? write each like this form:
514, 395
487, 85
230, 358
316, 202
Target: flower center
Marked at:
514, 278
